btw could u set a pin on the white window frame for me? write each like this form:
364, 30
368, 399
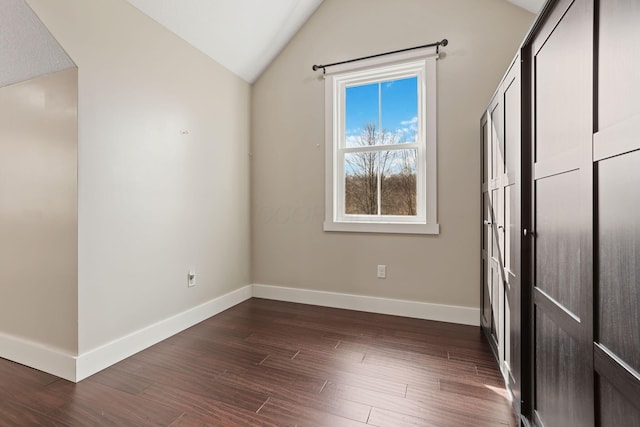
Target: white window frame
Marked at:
421, 64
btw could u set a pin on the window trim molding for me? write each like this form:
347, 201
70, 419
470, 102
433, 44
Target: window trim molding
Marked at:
427, 225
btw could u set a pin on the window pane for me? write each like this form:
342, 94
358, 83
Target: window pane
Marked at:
384, 112
361, 112
398, 186
400, 110
361, 183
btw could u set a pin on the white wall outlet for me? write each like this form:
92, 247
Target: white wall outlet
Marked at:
382, 271
191, 279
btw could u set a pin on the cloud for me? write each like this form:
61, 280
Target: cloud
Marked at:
413, 121
408, 131
353, 141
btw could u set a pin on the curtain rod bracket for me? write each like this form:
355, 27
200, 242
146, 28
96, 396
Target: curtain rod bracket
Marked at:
317, 67
443, 42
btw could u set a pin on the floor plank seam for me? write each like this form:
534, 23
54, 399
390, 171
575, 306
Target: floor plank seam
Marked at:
184, 414
262, 406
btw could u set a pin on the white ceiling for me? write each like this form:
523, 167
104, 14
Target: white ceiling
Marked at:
243, 35
532, 6
27, 49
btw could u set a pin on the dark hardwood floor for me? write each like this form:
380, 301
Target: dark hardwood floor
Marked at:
269, 363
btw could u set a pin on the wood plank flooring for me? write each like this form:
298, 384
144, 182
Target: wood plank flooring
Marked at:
270, 363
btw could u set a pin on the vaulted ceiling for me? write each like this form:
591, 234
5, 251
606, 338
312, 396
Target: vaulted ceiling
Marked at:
243, 35
532, 6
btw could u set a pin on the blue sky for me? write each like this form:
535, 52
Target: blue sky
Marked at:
399, 107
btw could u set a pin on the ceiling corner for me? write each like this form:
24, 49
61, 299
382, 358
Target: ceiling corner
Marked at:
533, 6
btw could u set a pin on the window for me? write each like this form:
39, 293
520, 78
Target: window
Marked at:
381, 145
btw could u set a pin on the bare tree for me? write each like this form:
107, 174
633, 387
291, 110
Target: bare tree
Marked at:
361, 186
399, 186
407, 180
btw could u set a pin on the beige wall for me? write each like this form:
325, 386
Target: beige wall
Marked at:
38, 213
163, 169
289, 247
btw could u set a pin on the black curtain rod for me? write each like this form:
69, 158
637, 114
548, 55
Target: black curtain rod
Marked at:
442, 42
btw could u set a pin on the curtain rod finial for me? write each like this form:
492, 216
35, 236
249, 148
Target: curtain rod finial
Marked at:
444, 42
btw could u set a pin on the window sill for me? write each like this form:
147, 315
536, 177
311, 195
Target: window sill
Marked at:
390, 228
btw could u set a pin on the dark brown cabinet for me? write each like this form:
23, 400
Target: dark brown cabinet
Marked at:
561, 217
501, 192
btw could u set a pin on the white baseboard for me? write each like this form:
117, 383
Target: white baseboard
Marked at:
395, 307
38, 356
111, 353
76, 368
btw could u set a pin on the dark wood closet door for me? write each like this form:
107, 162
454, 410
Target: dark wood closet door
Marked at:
496, 200
485, 295
501, 242
493, 161
616, 149
511, 100
562, 217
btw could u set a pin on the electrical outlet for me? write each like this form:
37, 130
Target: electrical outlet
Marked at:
191, 279
382, 271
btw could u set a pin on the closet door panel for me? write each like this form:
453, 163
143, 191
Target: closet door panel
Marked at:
619, 257
512, 347
486, 261
559, 376
497, 271
619, 61
497, 140
615, 408
558, 239
562, 70
486, 166
510, 253
617, 156
512, 122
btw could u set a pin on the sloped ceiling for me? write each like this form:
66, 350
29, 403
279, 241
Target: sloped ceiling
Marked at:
242, 35
27, 49
532, 6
